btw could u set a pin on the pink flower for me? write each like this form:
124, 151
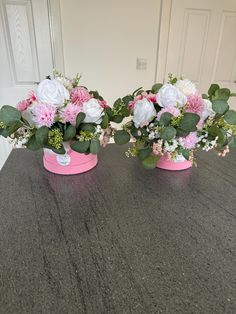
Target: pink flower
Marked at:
44, 114
194, 104
23, 105
173, 110
79, 95
189, 141
103, 103
32, 96
70, 112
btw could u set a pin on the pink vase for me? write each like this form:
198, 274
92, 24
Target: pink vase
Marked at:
180, 163
69, 163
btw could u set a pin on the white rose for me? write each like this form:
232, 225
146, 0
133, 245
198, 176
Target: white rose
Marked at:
93, 111
186, 87
170, 96
207, 109
144, 112
52, 92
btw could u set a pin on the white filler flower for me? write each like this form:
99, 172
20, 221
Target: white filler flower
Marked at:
186, 87
52, 92
170, 96
93, 111
144, 112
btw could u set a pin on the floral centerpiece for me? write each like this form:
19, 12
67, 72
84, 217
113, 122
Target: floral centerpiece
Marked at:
170, 121
65, 119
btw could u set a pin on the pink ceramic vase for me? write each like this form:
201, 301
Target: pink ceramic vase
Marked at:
180, 163
69, 163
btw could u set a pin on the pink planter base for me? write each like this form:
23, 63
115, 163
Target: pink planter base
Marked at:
168, 164
70, 163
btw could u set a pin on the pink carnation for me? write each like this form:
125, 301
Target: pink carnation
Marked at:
173, 110
70, 113
23, 105
32, 96
189, 141
44, 114
194, 104
79, 95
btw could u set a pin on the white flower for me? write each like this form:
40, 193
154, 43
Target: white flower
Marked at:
207, 109
93, 111
144, 112
52, 92
186, 87
170, 96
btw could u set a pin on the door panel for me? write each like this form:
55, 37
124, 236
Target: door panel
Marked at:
201, 44
26, 53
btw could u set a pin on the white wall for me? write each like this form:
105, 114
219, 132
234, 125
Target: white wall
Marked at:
103, 38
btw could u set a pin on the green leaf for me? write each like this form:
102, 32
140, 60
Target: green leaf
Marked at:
70, 133
233, 95
204, 96
222, 94
215, 131
109, 112
80, 117
41, 135
150, 162
88, 127
127, 99
185, 153
213, 88
230, 117
121, 137
117, 103
9, 114
136, 91
33, 144
117, 119
232, 142
60, 151
189, 122
94, 146
220, 106
165, 118
144, 152
168, 133
105, 121
80, 147
11, 128
156, 87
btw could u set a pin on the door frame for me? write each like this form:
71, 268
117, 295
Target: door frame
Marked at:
162, 48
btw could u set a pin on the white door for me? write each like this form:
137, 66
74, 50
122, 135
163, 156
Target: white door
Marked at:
25, 54
202, 42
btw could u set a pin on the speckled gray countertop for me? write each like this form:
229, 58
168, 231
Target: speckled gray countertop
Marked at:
118, 239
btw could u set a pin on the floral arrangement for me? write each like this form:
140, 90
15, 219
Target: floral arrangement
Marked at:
174, 120
59, 111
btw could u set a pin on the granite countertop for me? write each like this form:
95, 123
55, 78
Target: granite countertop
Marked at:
118, 239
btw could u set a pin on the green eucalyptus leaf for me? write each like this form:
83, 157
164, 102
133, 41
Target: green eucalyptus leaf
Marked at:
33, 144
94, 146
117, 119
215, 131
80, 147
88, 127
121, 137
127, 99
222, 94
60, 151
80, 117
233, 95
230, 117
189, 122
70, 133
9, 114
204, 96
105, 121
165, 118
144, 152
220, 106
109, 112
232, 142
136, 91
213, 88
41, 135
156, 87
168, 133
185, 153
150, 162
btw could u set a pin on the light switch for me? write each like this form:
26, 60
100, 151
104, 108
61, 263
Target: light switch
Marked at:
141, 64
